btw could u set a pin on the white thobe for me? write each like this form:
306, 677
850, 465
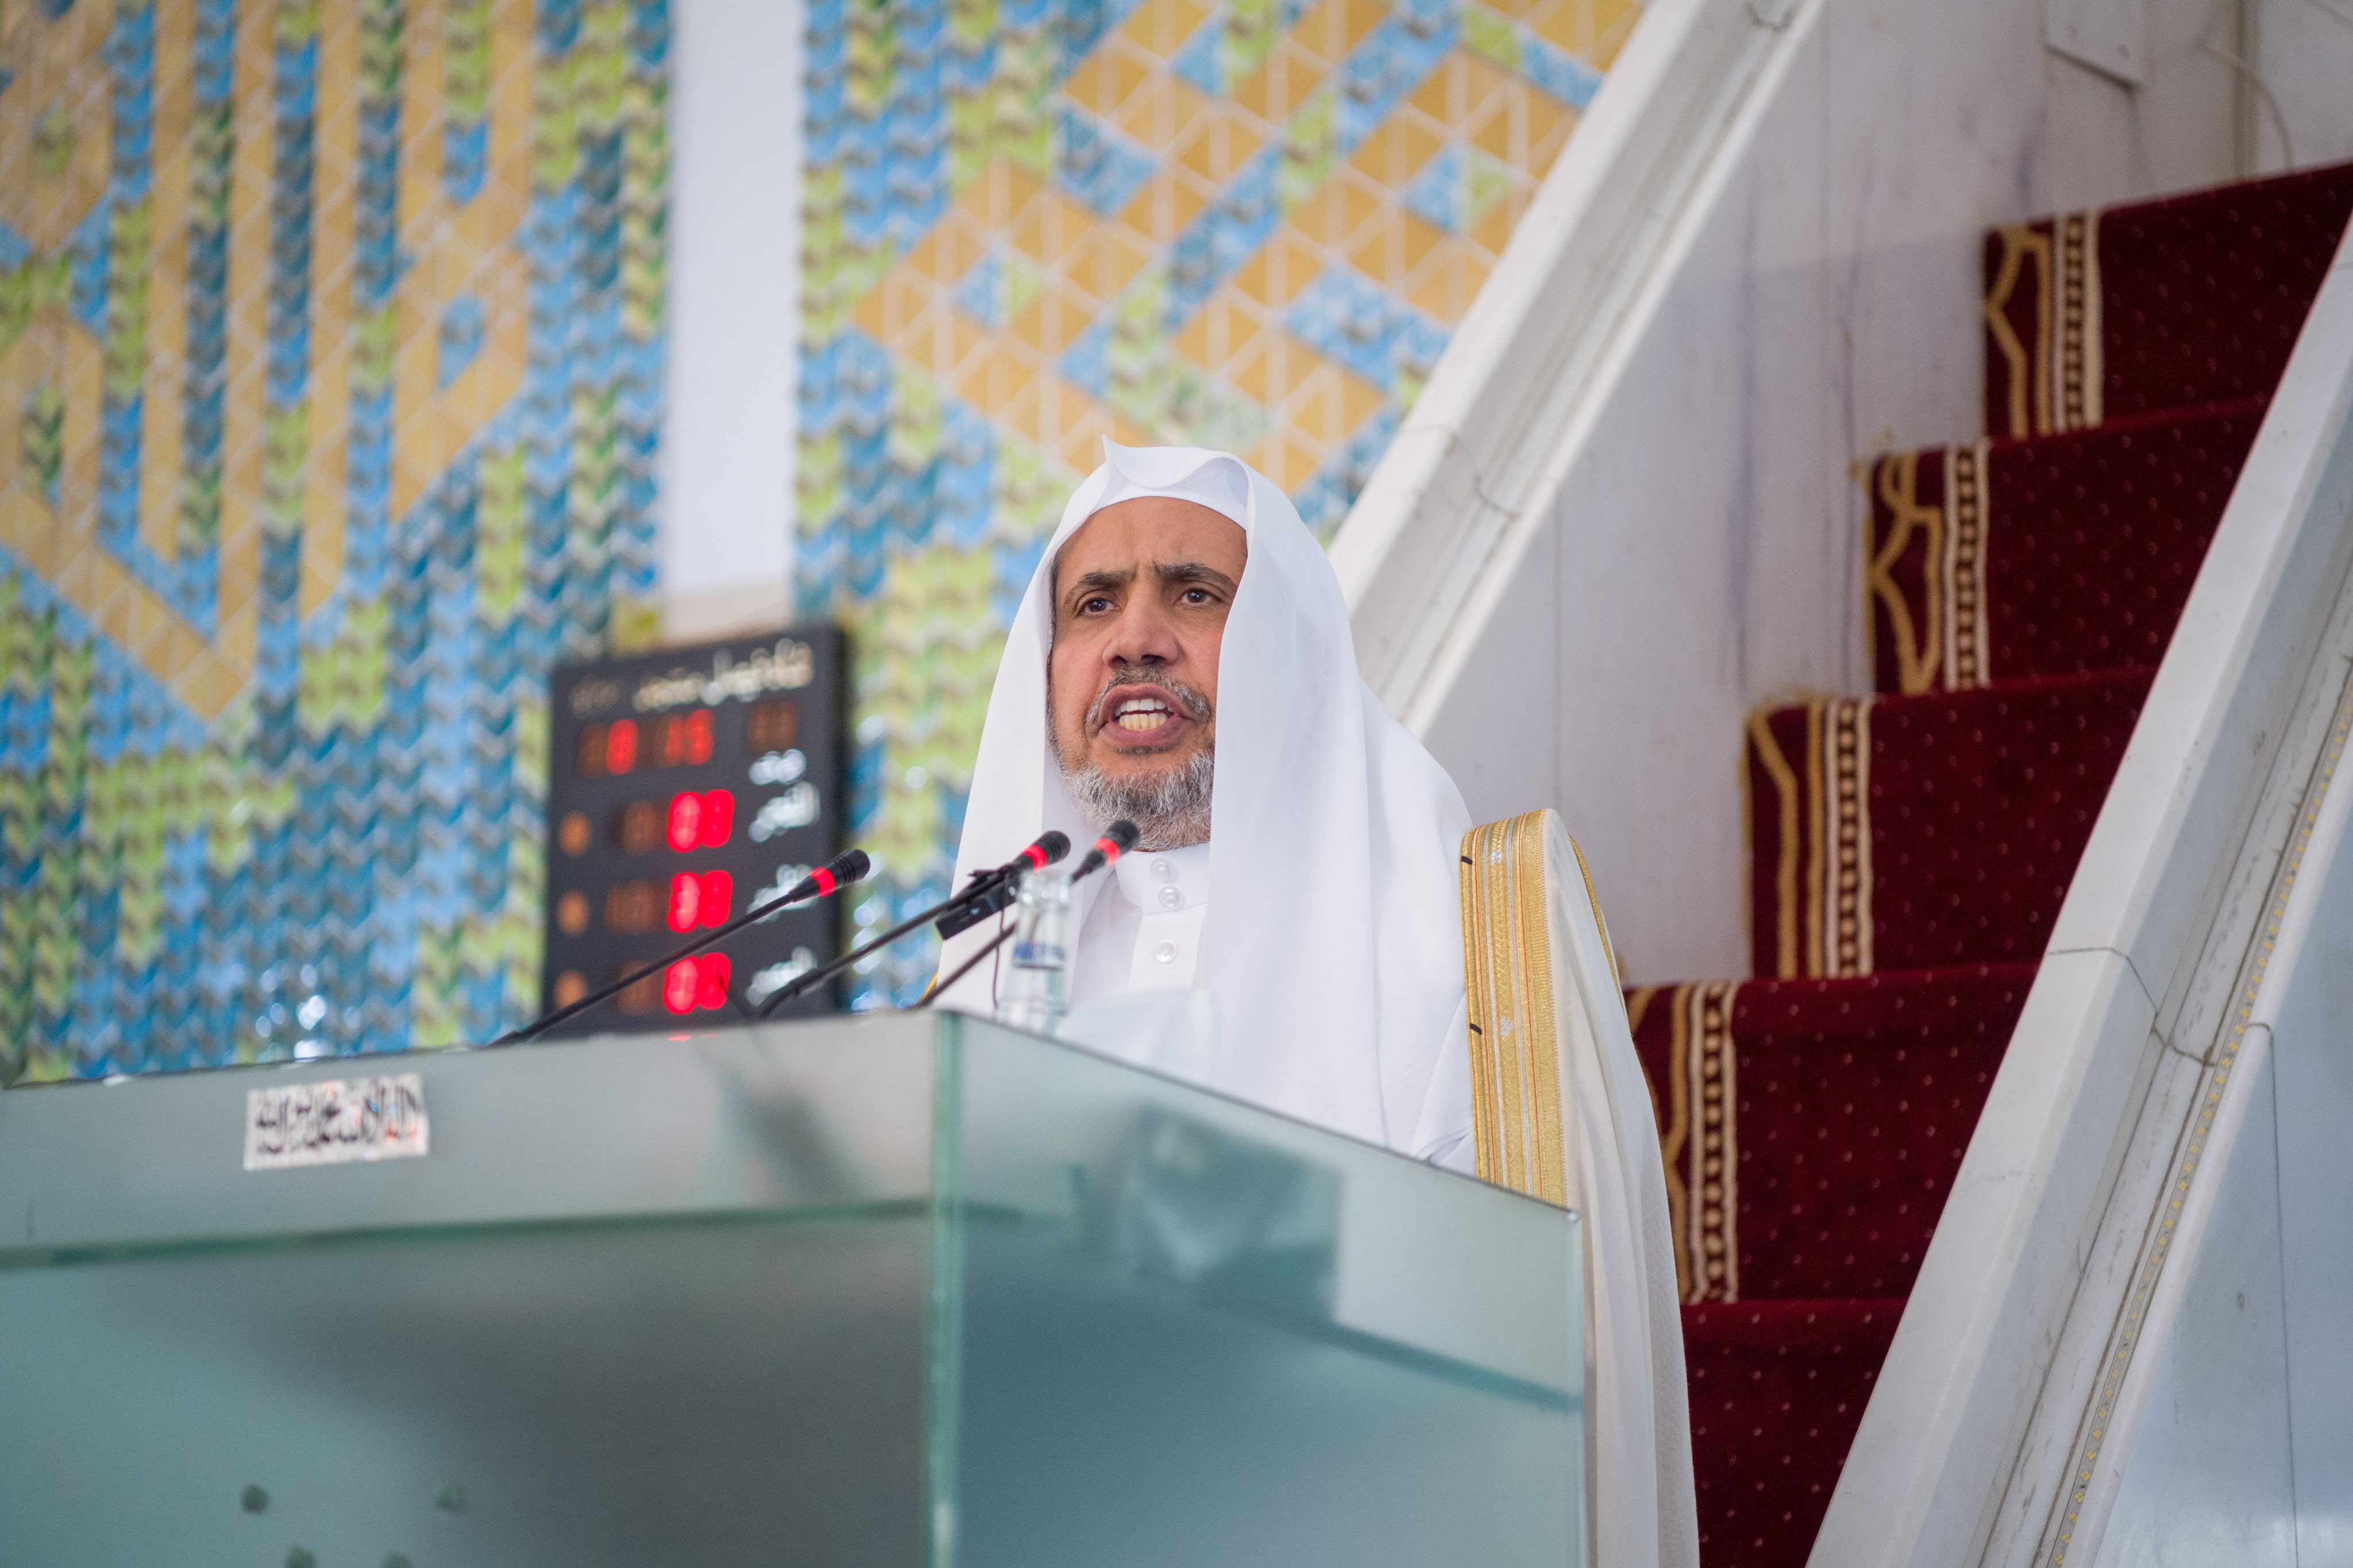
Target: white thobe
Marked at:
1144, 934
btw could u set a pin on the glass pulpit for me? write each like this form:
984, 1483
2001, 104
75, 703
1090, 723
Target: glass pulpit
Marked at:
897, 1289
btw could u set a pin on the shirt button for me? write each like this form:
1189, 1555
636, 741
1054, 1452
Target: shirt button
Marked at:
1163, 870
1172, 898
1166, 953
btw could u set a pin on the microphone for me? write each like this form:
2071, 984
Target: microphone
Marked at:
989, 891
849, 865
996, 883
1050, 847
1117, 840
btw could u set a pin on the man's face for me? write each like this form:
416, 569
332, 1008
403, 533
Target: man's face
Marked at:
1141, 594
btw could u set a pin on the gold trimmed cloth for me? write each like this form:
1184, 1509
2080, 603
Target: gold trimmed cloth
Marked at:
1561, 1111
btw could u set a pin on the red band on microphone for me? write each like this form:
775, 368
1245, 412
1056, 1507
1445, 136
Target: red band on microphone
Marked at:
1108, 849
1035, 856
825, 882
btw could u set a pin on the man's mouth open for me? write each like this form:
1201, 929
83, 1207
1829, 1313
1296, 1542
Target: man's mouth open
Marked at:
1140, 714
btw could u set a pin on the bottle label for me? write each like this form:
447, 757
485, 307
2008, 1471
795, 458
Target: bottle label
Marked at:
1038, 955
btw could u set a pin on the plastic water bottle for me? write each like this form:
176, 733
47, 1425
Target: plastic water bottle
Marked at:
1035, 994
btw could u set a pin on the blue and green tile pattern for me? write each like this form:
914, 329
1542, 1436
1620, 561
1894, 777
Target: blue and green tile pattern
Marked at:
330, 334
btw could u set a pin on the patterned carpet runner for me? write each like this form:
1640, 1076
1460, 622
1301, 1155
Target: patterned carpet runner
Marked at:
1910, 849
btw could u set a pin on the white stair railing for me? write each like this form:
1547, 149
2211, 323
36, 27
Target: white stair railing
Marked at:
1474, 469
1999, 1425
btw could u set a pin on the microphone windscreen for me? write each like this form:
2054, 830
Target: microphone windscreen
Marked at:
1116, 840
849, 865
1053, 844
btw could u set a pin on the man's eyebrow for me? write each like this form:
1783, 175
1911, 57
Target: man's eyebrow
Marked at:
1096, 580
1191, 572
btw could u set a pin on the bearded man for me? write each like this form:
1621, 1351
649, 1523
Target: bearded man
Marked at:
1182, 660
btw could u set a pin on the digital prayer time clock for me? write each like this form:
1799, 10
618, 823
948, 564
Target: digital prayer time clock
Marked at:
686, 786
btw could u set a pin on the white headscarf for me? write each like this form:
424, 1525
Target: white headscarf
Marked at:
1333, 943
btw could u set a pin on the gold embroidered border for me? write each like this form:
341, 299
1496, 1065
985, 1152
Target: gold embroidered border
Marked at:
1817, 837
1895, 481
1539, 1031
1514, 1049
1968, 512
1838, 912
1823, 884
1838, 840
1847, 894
2056, 383
2074, 362
1704, 1054
2022, 249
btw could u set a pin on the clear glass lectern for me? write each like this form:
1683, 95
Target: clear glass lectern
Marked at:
894, 1290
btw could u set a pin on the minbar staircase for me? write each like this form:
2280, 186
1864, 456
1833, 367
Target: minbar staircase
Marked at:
1910, 849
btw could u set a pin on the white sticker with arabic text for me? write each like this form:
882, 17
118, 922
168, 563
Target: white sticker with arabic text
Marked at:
335, 1122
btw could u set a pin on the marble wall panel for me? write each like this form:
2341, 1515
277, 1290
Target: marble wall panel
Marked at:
1823, 308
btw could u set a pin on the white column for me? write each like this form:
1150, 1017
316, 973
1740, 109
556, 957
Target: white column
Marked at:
734, 301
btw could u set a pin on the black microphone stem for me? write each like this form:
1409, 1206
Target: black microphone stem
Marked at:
802, 982
980, 885
1117, 840
966, 967
749, 917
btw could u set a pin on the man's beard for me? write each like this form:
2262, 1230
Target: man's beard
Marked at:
1170, 809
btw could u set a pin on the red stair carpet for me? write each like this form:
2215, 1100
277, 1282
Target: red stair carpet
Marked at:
1909, 849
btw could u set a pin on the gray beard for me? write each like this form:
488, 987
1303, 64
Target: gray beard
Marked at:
1170, 812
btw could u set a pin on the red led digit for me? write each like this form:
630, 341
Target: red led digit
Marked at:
686, 820
710, 990
717, 890
621, 746
680, 985
685, 900
718, 818
697, 726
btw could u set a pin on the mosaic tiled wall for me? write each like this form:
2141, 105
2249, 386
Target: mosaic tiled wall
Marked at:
1033, 222
330, 367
